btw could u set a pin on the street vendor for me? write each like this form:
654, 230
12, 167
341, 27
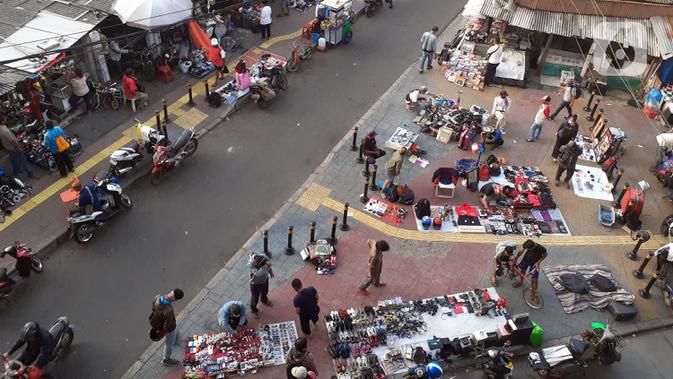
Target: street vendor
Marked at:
418, 100
369, 148
493, 191
493, 138
504, 257
231, 317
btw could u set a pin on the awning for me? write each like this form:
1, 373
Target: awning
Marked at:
150, 14
473, 8
44, 33
9, 77
663, 32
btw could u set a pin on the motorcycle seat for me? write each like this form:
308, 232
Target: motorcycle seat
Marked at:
577, 347
181, 142
3, 273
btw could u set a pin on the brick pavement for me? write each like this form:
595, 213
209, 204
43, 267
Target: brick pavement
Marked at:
414, 269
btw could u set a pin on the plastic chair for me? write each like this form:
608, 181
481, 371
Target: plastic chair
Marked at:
133, 103
166, 74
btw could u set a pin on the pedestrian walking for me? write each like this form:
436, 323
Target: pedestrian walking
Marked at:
493, 57
298, 358
504, 257
260, 272
570, 92
533, 255
540, 117
428, 48
306, 304
231, 316
394, 164
501, 105
566, 132
162, 319
376, 249
567, 162
116, 53
16, 155
284, 8
57, 143
80, 89
265, 19
218, 60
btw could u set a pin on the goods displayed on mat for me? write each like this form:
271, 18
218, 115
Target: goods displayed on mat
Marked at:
401, 138
39, 155
440, 219
579, 287
383, 339
465, 69
512, 65
384, 209
322, 255
215, 354
587, 146
592, 183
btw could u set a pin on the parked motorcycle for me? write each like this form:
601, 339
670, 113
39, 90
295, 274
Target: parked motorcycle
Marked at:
563, 360
125, 159
276, 74
371, 5
110, 94
26, 261
83, 225
13, 190
262, 92
495, 363
62, 333
168, 158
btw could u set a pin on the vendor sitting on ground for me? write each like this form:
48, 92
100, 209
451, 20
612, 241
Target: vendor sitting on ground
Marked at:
418, 100
493, 138
369, 148
493, 191
504, 258
231, 316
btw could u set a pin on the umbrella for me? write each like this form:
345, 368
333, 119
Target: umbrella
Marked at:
149, 14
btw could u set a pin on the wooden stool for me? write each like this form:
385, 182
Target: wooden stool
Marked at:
166, 74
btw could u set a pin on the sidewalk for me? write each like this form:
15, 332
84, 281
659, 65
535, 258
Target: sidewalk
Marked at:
416, 268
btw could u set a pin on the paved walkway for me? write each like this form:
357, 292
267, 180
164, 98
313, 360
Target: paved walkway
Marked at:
419, 264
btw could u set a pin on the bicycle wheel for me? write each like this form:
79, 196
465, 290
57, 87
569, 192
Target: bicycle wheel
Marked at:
282, 82
95, 101
533, 298
292, 65
227, 43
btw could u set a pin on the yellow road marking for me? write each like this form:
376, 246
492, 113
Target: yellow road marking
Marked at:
191, 118
267, 44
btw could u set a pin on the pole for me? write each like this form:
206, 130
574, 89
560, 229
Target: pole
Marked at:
360, 159
621, 195
344, 221
266, 243
366, 171
158, 120
638, 274
587, 108
354, 145
643, 237
332, 237
191, 96
205, 85
620, 172
289, 250
364, 198
593, 111
645, 292
312, 235
373, 186
166, 120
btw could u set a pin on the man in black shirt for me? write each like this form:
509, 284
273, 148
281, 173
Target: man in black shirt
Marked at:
533, 255
490, 191
369, 148
306, 305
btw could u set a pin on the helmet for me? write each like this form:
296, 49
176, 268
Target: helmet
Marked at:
434, 370
492, 353
30, 330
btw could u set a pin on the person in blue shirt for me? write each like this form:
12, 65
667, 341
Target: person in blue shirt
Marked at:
231, 316
88, 196
62, 158
494, 139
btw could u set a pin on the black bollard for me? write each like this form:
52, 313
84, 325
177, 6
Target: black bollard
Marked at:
618, 202
360, 159
366, 171
364, 198
158, 120
332, 237
205, 85
344, 221
599, 117
590, 117
191, 96
645, 292
354, 145
312, 235
638, 274
265, 236
373, 186
620, 172
643, 237
289, 250
166, 120
587, 108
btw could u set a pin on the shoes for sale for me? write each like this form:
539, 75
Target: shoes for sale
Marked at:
170, 362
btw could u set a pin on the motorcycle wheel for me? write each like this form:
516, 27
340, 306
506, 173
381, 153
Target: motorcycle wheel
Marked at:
668, 301
191, 147
64, 343
126, 201
227, 43
156, 178
84, 233
282, 82
36, 264
114, 103
107, 101
292, 65
262, 103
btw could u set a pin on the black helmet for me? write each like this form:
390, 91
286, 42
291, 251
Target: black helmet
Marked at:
30, 330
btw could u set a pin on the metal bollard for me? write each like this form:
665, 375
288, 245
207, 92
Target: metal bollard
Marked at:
191, 96
599, 117
593, 112
621, 195
158, 120
344, 221
312, 235
620, 172
645, 292
166, 120
364, 198
366, 171
360, 159
587, 108
205, 85
373, 186
289, 250
265, 237
332, 237
643, 237
354, 145
638, 274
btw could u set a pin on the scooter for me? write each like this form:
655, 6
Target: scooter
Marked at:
262, 93
82, 224
276, 74
26, 261
12, 189
125, 159
168, 158
371, 5
496, 363
564, 360
62, 333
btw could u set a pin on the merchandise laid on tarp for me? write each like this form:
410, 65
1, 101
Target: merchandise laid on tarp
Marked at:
214, 355
603, 144
332, 23
36, 153
592, 183
322, 254
396, 334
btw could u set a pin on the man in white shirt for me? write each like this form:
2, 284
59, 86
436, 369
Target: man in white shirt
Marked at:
265, 19
541, 115
418, 99
493, 55
504, 256
80, 89
428, 48
501, 105
569, 94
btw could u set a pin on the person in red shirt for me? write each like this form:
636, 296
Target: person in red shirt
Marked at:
216, 56
130, 88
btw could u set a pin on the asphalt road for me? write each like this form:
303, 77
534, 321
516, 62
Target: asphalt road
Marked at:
182, 232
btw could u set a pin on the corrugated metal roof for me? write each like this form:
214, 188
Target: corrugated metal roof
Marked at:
635, 32
9, 77
662, 28
608, 8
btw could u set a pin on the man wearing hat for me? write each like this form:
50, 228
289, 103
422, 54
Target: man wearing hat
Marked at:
231, 316
541, 115
369, 148
217, 59
501, 105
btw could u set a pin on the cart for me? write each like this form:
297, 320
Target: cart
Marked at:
336, 18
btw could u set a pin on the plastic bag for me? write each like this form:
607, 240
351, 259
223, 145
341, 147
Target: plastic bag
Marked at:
536, 336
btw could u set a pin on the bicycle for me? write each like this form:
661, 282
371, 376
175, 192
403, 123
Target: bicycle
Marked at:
297, 56
231, 43
144, 62
530, 295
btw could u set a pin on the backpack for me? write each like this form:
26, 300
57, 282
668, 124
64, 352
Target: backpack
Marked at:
422, 208
406, 195
389, 192
61, 144
602, 283
484, 173
575, 91
575, 283
215, 99
156, 320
